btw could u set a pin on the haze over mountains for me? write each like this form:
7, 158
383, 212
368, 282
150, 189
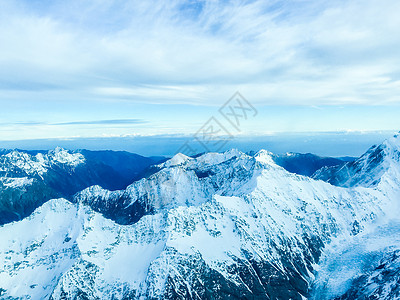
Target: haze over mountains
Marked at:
219, 226
331, 144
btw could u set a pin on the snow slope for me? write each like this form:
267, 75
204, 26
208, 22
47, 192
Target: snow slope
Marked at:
378, 164
30, 178
26, 179
365, 266
219, 226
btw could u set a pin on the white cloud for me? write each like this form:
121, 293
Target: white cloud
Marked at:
267, 47
197, 52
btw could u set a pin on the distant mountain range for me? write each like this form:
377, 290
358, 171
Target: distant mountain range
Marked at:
30, 178
218, 226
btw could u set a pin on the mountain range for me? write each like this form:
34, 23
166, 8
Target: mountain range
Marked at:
216, 226
30, 178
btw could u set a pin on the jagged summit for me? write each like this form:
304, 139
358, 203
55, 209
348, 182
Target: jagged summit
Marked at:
393, 142
192, 181
176, 160
369, 170
218, 226
30, 178
264, 156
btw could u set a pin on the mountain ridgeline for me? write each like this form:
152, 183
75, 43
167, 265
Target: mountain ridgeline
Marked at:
30, 178
217, 226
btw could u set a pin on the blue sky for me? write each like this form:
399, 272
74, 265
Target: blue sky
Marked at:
78, 69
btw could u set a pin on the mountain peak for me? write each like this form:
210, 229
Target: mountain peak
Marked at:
393, 142
64, 156
219, 222
265, 157
369, 169
214, 158
176, 160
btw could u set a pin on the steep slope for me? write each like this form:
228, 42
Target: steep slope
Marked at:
369, 170
366, 266
22, 180
179, 181
30, 178
219, 226
380, 281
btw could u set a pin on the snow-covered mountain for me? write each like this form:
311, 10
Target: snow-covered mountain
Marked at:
364, 267
218, 226
378, 165
30, 178
368, 265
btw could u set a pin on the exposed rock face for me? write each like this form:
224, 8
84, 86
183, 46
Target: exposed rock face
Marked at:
381, 281
218, 226
378, 164
30, 178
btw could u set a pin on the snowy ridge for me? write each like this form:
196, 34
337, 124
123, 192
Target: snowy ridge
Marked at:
192, 182
16, 182
217, 226
30, 178
206, 159
264, 157
39, 163
176, 160
27, 180
370, 169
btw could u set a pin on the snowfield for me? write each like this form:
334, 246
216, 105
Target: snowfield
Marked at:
219, 226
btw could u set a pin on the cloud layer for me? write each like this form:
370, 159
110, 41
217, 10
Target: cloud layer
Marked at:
196, 51
58, 58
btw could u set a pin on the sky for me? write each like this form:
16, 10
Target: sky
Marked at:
111, 68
